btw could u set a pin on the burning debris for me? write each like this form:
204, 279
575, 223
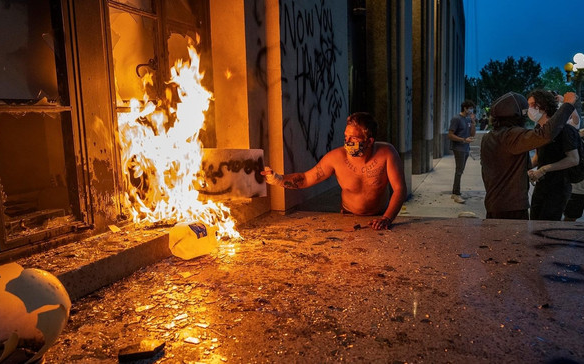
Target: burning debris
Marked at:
162, 155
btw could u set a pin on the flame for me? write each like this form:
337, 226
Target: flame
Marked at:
161, 154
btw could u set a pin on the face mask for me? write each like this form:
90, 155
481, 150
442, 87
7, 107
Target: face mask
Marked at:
355, 149
534, 114
470, 112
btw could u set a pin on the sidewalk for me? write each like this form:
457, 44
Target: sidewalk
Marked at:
431, 192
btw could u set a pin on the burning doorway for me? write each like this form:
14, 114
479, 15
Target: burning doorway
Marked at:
164, 110
68, 70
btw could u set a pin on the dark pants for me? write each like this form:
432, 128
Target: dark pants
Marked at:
549, 199
574, 207
460, 160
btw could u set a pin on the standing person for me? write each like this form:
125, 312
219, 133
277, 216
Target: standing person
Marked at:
575, 206
552, 189
364, 168
484, 123
461, 133
574, 118
505, 153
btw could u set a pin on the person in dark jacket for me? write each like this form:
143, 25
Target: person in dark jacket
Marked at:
505, 153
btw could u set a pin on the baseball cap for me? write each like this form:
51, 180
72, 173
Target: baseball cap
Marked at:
509, 105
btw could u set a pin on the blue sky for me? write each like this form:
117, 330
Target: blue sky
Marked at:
551, 32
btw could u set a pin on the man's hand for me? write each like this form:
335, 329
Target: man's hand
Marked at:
536, 175
570, 98
272, 178
381, 223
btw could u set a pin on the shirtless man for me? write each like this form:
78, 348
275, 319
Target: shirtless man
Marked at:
363, 167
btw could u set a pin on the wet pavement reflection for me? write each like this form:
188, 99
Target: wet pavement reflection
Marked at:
311, 287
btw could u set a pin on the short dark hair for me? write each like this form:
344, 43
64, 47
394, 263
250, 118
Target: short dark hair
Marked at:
545, 100
467, 104
365, 122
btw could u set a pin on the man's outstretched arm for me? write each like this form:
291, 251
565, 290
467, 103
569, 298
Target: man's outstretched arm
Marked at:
315, 175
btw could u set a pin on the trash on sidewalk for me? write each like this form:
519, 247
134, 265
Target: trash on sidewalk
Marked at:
468, 214
145, 349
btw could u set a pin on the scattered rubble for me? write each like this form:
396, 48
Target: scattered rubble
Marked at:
296, 290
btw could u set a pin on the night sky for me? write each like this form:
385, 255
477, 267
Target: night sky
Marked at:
495, 29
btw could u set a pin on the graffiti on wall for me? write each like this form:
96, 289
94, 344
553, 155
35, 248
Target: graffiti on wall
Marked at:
409, 113
232, 173
314, 83
260, 72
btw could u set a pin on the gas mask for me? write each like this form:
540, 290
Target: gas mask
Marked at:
355, 149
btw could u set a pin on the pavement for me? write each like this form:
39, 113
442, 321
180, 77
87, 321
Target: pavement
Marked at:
432, 192
444, 285
318, 287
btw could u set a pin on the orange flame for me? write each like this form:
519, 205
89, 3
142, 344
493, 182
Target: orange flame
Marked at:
161, 154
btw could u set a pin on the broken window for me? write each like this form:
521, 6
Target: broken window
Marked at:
37, 162
27, 57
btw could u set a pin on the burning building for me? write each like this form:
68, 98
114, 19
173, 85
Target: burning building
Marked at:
87, 86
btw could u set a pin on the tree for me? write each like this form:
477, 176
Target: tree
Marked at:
553, 79
473, 91
520, 76
471, 88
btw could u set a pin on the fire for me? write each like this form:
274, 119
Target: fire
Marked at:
161, 154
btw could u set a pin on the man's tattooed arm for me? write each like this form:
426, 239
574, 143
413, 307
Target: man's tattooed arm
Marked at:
294, 181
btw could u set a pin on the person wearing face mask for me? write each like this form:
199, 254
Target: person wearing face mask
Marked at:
461, 133
505, 150
574, 118
370, 173
552, 189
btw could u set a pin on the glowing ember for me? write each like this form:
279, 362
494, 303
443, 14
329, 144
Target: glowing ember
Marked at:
161, 154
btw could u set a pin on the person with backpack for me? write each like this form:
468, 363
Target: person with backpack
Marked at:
505, 153
552, 186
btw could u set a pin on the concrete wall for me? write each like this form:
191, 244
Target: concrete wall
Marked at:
389, 74
423, 85
450, 70
239, 46
313, 89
